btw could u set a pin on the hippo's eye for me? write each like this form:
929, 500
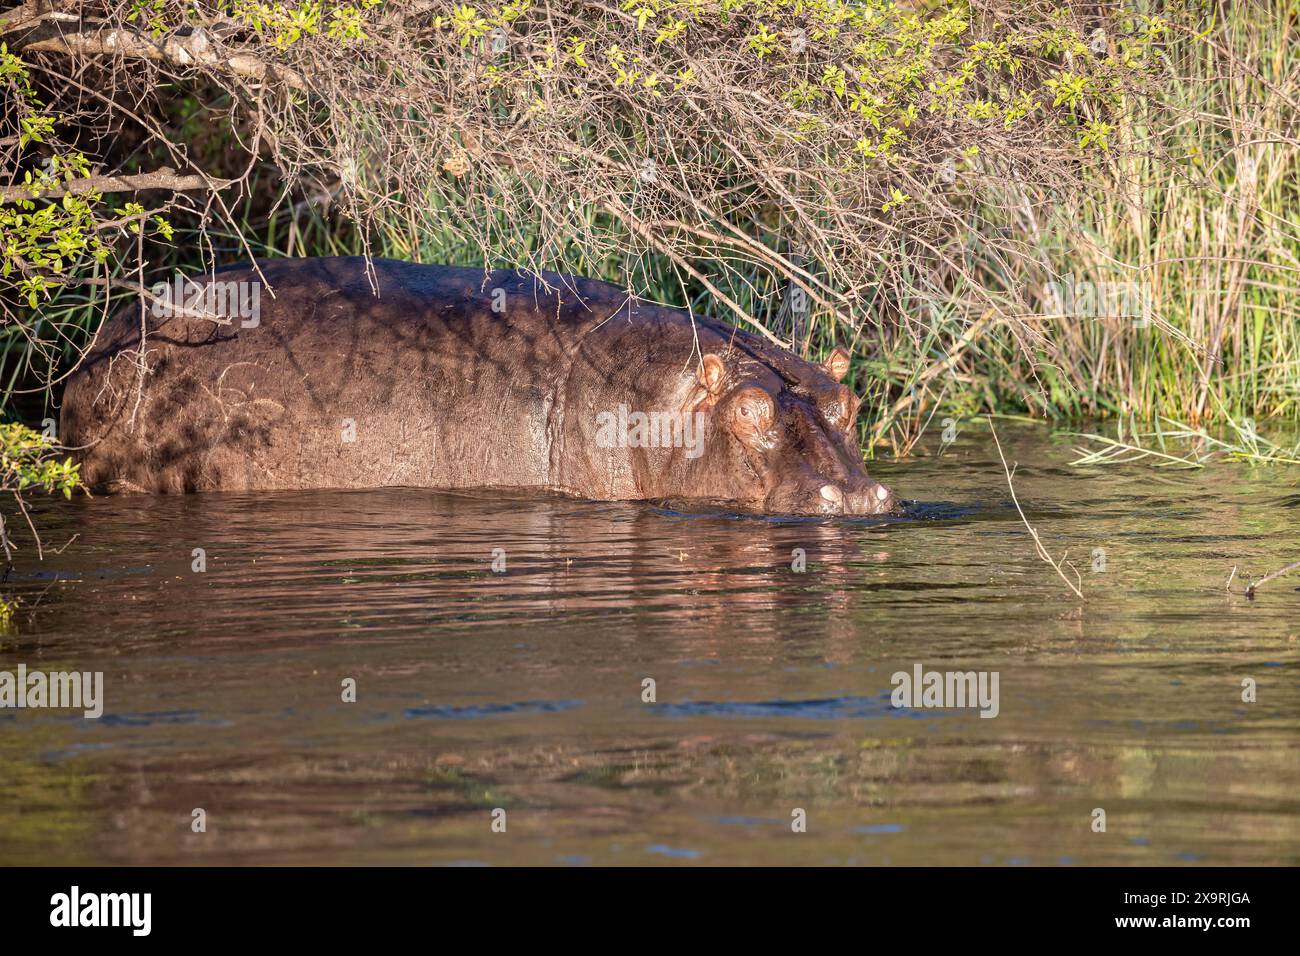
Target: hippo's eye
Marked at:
754, 411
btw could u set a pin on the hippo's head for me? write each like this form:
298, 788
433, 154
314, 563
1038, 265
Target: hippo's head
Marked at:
781, 436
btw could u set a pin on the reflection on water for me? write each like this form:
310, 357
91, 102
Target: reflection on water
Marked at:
524, 690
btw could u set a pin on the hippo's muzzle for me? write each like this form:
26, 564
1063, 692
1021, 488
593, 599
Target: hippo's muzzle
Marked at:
864, 497
869, 498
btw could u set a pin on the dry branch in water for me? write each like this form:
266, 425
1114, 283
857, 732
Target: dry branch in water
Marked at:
1251, 588
1038, 544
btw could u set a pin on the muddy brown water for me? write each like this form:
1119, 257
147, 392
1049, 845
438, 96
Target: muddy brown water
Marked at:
523, 691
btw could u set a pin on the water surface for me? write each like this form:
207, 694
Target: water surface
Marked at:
524, 691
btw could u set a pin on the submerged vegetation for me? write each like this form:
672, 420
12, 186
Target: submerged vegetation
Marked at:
1050, 209
1177, 445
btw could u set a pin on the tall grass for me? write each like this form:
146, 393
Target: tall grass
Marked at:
1205, 217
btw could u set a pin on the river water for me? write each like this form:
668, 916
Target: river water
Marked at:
518, 700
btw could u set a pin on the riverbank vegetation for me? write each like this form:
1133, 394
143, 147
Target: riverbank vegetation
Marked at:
1061, 210
29, 461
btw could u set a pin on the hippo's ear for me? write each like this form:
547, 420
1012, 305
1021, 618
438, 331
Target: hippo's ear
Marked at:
837, 363
712, 373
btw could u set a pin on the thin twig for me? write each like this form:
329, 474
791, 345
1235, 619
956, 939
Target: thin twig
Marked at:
1042, 551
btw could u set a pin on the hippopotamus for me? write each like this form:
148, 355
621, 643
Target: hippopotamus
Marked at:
361, 373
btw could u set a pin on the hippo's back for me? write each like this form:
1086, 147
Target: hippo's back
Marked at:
347, 373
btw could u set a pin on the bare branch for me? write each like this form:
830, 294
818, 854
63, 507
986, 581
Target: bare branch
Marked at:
164, 178
193, 49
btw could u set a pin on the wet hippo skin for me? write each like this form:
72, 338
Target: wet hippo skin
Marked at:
438, 377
